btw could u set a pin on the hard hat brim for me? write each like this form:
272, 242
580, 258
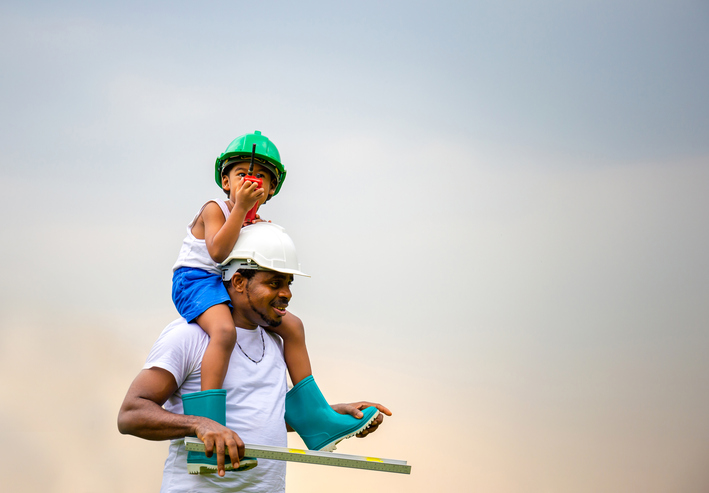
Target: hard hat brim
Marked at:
263, 246
231, 266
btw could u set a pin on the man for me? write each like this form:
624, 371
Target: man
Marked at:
258, 284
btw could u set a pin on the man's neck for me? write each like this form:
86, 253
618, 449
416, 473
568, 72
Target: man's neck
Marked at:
243, 322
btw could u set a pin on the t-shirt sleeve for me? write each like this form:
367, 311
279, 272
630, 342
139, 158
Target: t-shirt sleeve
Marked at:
178, 350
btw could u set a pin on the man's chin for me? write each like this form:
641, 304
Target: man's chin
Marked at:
270, 321
266, 321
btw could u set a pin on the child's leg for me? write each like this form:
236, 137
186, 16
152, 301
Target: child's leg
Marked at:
292, 332
307, 411
219, 325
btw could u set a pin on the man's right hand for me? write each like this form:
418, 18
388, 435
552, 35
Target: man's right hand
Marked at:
222, 440
142, 415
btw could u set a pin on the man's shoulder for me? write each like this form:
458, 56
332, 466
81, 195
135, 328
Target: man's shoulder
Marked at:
184, 330
179, 348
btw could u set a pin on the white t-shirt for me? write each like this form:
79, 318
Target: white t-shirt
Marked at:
255, 403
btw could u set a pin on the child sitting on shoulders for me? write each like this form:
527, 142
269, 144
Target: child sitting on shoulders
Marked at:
197, 289
200, 296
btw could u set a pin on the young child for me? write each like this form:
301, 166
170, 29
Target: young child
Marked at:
200, 296
197, 289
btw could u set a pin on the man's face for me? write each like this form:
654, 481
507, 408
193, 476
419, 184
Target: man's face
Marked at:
268, 294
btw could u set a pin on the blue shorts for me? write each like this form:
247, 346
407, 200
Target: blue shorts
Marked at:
195, 290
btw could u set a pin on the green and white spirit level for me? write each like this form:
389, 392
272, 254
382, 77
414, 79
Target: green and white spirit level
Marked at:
313, 457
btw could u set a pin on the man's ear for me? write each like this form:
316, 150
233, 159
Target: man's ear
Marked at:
238, 283
225, 182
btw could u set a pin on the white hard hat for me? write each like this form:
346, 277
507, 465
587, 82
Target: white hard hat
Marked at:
262, 246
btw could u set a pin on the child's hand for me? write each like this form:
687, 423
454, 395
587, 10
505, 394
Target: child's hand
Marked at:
257, 219
246, 194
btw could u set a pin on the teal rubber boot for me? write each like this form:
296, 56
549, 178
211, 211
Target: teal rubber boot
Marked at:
320, 426
210, 404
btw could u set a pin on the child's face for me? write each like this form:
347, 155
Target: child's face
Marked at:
239, 170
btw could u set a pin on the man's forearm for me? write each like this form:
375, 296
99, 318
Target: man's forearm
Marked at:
146, 419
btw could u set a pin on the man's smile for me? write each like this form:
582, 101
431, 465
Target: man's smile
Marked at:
280, 308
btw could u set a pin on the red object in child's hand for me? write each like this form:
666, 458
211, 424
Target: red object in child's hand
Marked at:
251, 215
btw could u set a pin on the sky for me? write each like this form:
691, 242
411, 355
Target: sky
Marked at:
502, 206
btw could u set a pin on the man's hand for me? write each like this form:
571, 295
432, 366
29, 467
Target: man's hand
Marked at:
354, 409
142, 415
218, 438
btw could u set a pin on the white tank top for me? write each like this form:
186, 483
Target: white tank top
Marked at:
193, 252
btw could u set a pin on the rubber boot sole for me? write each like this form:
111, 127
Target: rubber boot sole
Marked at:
205, 468
330, 446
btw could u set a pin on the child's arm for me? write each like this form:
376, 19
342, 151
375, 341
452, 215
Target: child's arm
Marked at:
220, 235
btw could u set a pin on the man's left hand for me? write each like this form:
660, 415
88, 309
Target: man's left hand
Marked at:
355, 409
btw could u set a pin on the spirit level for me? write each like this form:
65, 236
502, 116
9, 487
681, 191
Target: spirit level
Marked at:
313, 457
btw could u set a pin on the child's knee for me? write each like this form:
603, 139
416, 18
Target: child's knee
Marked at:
292, 328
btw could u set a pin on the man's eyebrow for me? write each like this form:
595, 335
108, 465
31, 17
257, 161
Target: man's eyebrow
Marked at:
289, 278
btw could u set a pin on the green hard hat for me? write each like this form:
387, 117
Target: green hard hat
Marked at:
240, 150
